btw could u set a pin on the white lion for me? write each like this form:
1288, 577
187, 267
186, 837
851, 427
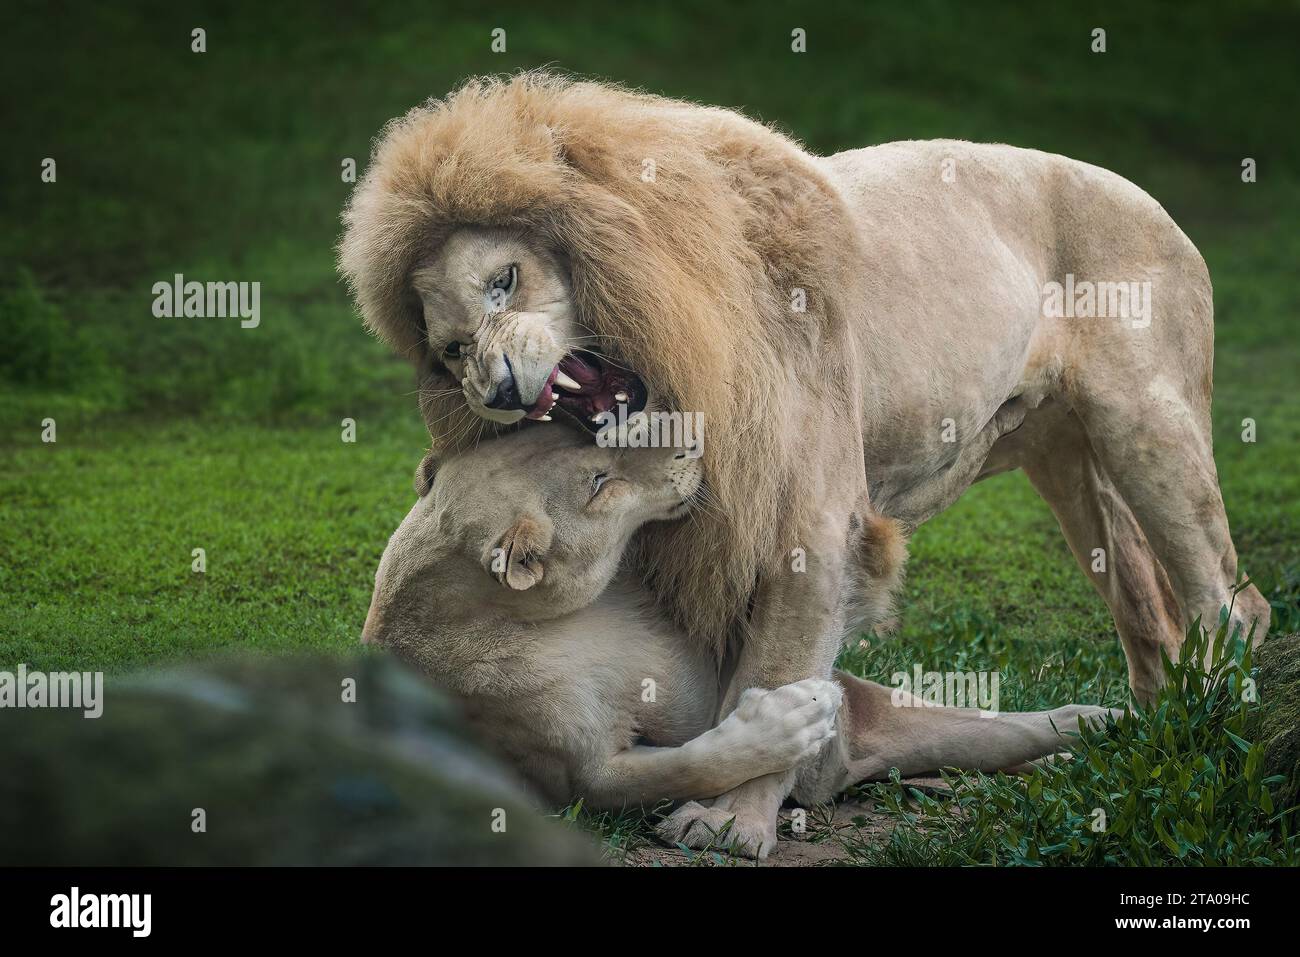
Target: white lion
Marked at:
890, 322
503, 584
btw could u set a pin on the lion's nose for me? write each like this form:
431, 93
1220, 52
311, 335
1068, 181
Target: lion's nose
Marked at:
506, 394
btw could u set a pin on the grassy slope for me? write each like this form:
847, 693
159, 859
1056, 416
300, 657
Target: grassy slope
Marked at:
179, 434
291, 520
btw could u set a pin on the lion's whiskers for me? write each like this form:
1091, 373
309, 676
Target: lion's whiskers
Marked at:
459, 408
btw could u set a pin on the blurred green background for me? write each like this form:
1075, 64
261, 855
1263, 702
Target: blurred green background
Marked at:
176, 434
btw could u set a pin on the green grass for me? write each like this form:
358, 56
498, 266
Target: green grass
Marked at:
96, 562
1180, 781
178, 434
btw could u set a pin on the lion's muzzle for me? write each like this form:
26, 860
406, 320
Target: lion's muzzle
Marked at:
517, 370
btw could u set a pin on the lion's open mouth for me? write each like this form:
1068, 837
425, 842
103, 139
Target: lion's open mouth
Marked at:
584, 385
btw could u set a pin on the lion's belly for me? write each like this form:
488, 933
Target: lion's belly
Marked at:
951, 325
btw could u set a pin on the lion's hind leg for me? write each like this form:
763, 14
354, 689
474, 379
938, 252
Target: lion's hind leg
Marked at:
883, 728
1154, 491
1108, 544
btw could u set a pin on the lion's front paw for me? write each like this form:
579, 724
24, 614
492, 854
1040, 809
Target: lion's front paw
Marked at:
785, 726
703, 828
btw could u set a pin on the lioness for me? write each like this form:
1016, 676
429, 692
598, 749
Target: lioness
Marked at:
503, 584
890, 324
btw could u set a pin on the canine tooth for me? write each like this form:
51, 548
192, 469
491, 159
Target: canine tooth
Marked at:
567, 382
620, 396
544, 418
555, 397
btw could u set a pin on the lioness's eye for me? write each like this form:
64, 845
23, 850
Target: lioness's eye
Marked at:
597, 482
452, 351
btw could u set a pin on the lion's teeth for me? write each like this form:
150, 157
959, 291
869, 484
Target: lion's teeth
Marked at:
555, 397
620, 396
544, 418
566, 382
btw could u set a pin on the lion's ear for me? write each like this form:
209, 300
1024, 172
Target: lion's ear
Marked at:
516, 560
424, 474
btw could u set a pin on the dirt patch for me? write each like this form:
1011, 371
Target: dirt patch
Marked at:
819, 844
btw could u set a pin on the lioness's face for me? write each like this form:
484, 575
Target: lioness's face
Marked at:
530, 526
499, 319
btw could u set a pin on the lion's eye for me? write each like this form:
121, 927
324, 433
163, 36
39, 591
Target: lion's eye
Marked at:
598, 482
501, 288
506, 279
452, 351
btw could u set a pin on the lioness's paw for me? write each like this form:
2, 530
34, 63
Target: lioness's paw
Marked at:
780, 728
715, 828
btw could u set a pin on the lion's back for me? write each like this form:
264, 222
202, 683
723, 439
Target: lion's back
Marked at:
1082, 215
960, 212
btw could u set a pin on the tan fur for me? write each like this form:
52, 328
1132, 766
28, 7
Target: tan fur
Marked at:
498, 585
924, 361
879, 556
553, 667
689, 278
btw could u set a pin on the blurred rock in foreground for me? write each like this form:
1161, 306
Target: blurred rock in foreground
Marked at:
1278, 661
285, 771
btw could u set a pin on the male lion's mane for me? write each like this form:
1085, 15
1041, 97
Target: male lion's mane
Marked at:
689, 277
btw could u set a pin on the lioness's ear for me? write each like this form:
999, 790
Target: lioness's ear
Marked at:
424, 474
516, 560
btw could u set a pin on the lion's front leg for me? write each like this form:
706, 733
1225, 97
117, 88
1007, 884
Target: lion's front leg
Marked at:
743, 820
795, 632
797, 623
